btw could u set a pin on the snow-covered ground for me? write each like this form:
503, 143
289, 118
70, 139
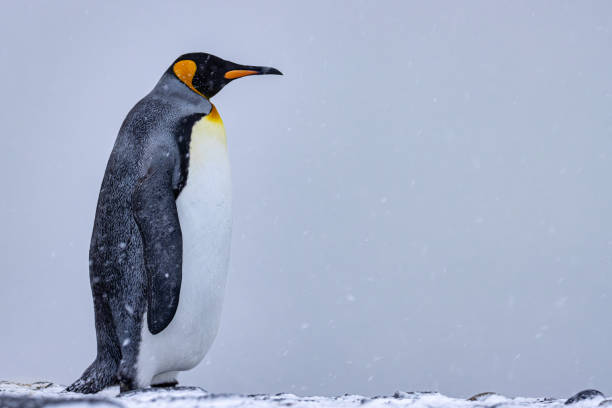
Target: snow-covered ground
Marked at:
38, 395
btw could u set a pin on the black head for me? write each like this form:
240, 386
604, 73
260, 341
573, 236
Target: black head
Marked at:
206, 74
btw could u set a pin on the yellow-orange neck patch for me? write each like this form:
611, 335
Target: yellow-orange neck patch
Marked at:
185, 71
209, 128
214, 116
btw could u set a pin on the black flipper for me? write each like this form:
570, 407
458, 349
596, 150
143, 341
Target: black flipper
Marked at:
154, 208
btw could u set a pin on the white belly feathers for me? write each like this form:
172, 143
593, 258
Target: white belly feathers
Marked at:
204, 209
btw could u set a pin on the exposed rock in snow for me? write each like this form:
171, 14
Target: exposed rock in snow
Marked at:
44, 394
586, 395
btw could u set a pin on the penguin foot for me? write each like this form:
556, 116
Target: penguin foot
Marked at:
83, 386
165, 380
125, 386
89, 385
170, 384
99, 375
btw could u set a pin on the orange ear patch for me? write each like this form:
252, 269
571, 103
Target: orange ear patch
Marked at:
239, 73
185, 71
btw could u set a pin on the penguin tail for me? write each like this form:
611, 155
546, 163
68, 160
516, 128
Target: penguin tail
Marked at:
99, 375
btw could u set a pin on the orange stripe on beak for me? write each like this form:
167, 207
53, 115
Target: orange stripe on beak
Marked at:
239, 73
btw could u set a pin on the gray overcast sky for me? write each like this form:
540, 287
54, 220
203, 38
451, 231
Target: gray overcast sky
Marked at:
422, 202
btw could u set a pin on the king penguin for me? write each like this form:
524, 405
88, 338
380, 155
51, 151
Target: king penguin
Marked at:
160, 245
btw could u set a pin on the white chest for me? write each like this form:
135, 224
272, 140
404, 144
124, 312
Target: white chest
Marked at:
204, 209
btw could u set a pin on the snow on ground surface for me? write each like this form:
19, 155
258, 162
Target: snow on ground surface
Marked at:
44, 394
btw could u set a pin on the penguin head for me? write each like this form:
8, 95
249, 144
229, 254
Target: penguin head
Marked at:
206, 74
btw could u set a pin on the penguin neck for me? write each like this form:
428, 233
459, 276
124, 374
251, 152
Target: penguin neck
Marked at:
186, 102
171, 89
210, 127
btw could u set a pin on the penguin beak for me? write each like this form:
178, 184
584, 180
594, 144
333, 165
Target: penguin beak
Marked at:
250, 70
